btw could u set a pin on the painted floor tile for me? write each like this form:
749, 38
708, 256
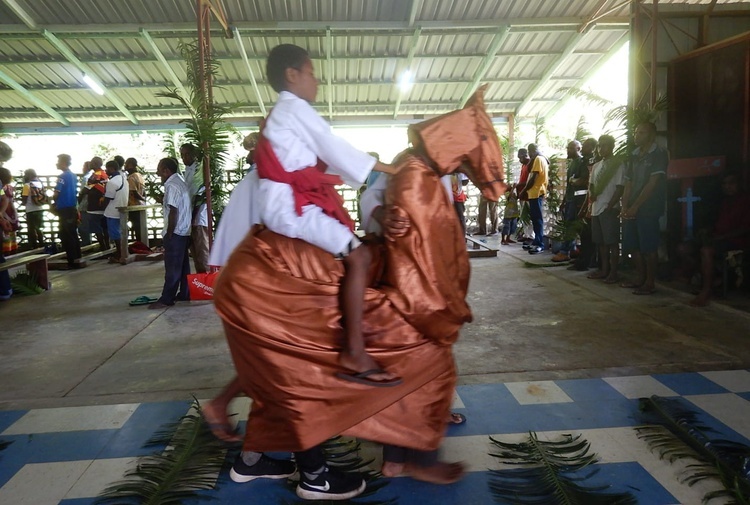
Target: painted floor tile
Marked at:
539, 392
78, 464
736, 381
639, 386
99, 417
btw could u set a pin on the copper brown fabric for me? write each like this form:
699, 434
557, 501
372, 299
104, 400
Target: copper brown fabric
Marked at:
279, 302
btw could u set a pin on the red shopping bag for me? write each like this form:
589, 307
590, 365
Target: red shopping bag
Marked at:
201, 286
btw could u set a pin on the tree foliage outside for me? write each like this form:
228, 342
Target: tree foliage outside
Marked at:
205, 125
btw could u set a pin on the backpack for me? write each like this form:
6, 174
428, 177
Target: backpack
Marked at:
38, 195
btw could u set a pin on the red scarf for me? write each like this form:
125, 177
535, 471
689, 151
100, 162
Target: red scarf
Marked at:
310, 185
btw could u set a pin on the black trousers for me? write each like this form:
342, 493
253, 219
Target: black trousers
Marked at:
588, 248
176, 269
68, 217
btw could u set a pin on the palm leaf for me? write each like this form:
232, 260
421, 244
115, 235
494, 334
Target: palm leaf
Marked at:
190, 463
205, 124
587, 95
675, 432
551, 473
25, 284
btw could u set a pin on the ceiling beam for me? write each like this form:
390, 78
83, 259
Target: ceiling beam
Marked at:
250, 73
406, 68
590, 73
165, 65
416, 6
551, 69
25, 60
229, 83
329, 72
72, 58
261, 29
489, 58
28, 95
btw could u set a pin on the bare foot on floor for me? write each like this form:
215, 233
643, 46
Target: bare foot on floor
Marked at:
439, 473
218, 421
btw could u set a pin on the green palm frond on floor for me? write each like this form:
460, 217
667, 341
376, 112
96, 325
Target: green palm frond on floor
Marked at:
552, 473
675, 432
190, 463
25, 284
343, 453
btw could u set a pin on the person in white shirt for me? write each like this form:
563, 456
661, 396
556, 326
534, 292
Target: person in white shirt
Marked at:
116, 194
605, 191
175, 235
298, 198
196, 187
33, 190
241, 213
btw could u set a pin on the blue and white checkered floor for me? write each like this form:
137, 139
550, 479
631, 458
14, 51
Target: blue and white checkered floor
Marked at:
68, 455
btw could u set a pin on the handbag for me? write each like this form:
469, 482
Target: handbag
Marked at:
201, 286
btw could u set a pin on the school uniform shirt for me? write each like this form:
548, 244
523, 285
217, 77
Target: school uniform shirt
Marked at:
67, 188
374, 196
137, 184
177, 195
602, 200
117, 190
26, 191
239, 216
299, 137
194, 182
654, 162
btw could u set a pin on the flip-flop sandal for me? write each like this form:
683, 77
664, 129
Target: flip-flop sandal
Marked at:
456, 418
142, 300
362, 378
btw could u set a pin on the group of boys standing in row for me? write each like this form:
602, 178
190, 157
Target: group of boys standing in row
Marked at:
606, 199
600, 193
94, 210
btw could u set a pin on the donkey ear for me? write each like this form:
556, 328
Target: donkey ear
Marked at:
477, 99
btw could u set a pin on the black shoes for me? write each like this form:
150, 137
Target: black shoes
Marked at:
536, 249
330, 484
265, 468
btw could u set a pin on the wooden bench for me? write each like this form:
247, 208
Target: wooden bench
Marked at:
35, 264
125, 256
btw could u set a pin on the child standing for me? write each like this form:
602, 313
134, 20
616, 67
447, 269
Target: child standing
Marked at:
510, 216
299, 162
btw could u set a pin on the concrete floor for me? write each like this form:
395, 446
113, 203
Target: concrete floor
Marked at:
81, 344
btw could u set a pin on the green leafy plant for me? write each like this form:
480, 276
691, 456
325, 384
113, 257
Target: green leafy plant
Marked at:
191, 461
206, 127
25, 284
552, 473
675, 433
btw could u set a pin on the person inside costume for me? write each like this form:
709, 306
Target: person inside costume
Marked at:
300, 161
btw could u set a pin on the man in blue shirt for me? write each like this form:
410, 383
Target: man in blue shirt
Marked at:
643, 205
65, 203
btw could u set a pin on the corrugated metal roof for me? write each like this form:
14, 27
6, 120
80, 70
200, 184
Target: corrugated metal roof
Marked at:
525, 49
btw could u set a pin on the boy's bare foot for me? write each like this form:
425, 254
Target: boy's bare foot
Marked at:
439, 473
218, 421
365, 368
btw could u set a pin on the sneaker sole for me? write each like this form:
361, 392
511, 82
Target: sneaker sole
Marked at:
307, 494
241, 479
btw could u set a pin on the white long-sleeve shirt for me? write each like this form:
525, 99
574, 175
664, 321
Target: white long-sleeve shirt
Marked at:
299, 136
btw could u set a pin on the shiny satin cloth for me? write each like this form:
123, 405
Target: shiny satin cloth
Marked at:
279, 302
278, 299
